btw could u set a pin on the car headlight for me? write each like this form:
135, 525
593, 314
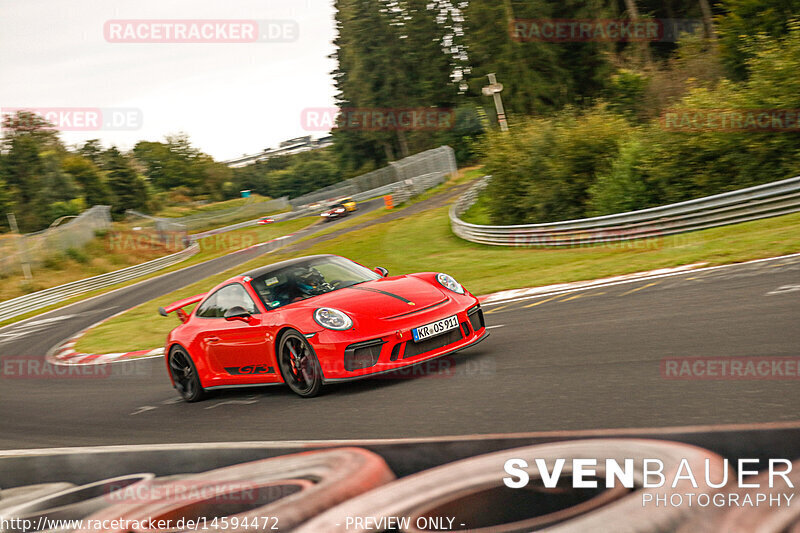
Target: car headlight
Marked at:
449, 283
332, 319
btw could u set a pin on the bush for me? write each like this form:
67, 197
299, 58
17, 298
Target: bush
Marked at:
542, 169
53, 262
76, 255
623, 187
685, 165
575, 165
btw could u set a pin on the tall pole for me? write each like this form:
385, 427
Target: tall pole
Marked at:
494, 89
23, 252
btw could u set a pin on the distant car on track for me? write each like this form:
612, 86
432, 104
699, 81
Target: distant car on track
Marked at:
348, 204
336, 211
315, 320
263, 221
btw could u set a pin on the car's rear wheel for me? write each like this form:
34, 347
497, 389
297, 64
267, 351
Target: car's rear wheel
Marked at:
299, 365
184, 374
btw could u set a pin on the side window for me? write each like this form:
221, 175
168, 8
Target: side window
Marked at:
208, 309
234, 295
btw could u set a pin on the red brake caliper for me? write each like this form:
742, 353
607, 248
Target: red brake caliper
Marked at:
292, 359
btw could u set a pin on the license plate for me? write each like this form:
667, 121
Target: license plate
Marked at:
435, 328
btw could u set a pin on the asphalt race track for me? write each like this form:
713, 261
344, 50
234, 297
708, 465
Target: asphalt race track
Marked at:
585, 360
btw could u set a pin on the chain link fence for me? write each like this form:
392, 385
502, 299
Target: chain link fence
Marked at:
252, 209
413, 187
35, 248
438, 161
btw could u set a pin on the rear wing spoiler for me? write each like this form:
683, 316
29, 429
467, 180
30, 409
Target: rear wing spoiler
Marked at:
179, 305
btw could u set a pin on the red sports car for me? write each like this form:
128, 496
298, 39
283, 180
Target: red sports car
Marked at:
316, 320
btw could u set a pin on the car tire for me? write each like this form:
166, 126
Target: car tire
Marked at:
184, 375
759, 518
336, 475
460, 488
298, 364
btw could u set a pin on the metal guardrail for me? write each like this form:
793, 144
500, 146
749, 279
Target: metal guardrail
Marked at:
385, 180
280, 217
762, 201
44, 298
249, 209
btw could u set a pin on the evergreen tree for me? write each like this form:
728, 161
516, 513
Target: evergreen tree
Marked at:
129, 190
86, 174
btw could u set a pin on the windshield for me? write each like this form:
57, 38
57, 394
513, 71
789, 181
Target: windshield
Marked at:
310, 278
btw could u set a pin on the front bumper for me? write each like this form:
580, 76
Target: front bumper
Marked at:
347, 360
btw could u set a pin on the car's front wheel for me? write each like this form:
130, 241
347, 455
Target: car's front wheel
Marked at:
184, 374
299, 365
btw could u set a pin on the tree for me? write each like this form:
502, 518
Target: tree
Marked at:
86, 174
366, 76
25, 136
529, 71
92, 150
129, 190
5, 203
748, 18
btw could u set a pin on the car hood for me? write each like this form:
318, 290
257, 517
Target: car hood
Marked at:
383, 298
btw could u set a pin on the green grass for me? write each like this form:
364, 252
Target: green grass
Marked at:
464, 175
478, 213
231, 241
176, 211
424, 242
210, 248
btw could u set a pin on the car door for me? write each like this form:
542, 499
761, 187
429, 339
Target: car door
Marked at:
237, 349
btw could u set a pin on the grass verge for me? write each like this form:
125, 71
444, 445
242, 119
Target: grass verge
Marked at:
210, 248
424, 242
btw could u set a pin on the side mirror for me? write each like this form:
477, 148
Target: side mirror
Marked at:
382, 271
237, 313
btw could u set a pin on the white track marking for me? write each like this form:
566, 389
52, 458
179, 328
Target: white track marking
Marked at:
172, 401
564, 288
249, 401
784, 289
143, 409
16, 331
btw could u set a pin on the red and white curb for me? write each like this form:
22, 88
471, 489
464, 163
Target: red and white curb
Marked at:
66, 354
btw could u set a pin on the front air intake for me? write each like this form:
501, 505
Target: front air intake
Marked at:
476, 318
362, 355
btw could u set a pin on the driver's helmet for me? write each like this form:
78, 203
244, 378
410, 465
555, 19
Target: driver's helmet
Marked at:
310, 282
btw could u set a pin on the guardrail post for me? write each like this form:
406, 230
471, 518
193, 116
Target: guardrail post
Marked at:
21, 245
